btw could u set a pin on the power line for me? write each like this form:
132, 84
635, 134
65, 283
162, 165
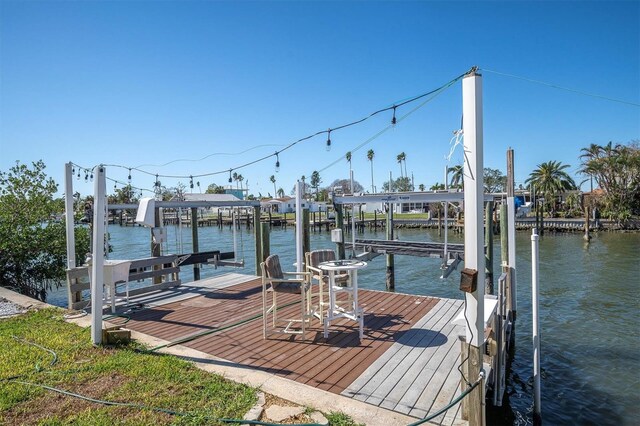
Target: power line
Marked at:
568, 89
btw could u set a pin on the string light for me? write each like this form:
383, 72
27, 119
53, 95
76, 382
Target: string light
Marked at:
277, 162
230, 178
91, 178
191, 181
393, 119
157, 183
328, 144
129, 177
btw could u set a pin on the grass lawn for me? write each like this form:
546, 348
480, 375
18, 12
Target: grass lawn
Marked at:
119, 374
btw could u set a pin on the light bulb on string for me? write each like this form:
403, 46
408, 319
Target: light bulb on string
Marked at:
91, 177
329, 140
129, 177
191, 182
157, 183
86, 176
393, 119
198, 183
230, 178
277, 162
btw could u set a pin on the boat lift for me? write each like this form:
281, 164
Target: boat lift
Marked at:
451, 254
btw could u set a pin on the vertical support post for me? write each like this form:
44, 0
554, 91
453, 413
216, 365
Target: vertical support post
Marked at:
535, 293
97, 261
306, 232
257, 232
512, 229
488, 242
68, 214
194, 241
236, 225
504, 255
156, 246
391, 280
586, 237
299, 253
473, 234
353, 221
446, 217
339, 225
265, 248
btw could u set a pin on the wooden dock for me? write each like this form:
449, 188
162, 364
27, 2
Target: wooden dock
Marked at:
406, 362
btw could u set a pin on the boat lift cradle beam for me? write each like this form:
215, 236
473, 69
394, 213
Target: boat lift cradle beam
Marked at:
409, 197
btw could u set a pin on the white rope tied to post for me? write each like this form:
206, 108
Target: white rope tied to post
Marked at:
454, 142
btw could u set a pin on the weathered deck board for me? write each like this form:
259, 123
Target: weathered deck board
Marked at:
406, 361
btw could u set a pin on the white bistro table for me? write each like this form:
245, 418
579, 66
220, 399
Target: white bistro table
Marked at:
116, 271
351, 310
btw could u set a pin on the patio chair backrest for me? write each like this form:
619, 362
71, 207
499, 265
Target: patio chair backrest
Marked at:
272, 267
316, 257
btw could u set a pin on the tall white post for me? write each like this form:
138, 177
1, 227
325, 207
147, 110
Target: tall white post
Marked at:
68, 213
535, 293
511, 229
97, 262
474, 239
474, 202
353, 221
299, 230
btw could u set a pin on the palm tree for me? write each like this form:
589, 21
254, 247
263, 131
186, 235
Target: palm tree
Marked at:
272, 178
370, 155
457, 176
421, 187
549, 179
400, 158
280, 192
235, 178
240, 179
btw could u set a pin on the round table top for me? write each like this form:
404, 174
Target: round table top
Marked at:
341, 265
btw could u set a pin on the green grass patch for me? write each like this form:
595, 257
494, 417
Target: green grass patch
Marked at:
115, 374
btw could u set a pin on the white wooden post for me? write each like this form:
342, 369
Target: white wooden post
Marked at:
474, 202
474, 257
97, 262
353, 221
535, 293
511, 232
68, 213
299, 230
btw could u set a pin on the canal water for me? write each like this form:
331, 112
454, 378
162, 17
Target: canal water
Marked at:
589, 311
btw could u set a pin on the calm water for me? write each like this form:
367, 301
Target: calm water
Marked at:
589, 308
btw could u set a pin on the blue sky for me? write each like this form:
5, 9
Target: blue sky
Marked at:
147, 83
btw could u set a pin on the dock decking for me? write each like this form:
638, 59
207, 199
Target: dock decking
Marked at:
406, 362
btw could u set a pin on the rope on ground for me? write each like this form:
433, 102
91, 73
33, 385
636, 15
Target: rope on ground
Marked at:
156, 409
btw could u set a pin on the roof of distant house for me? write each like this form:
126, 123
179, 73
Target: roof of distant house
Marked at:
209, 197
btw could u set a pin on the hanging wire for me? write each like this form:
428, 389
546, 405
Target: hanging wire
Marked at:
568, 89
292, 144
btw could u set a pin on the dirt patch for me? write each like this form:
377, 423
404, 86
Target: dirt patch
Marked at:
54, 405
274, 400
